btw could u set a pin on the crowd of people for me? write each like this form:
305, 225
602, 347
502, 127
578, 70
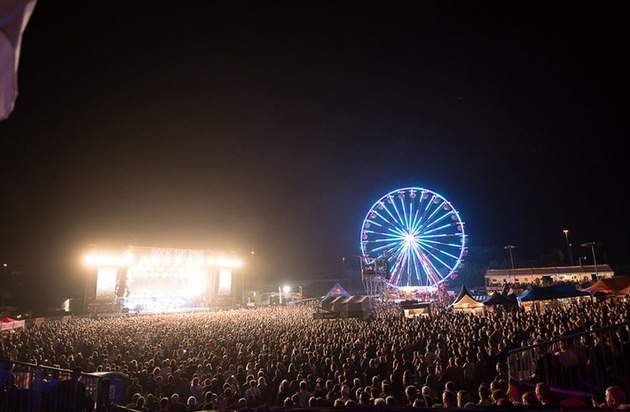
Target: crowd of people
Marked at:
281, 356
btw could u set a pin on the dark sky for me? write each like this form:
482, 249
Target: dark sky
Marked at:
273, 126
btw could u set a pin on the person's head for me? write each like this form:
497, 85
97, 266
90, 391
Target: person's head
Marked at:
449, 399
497, 394
484, 391
411, 392
345, 391
463, 397
426, 391
543, 393
615, 396
528, 398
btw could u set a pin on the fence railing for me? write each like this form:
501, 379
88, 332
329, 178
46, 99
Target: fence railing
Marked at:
582, 364
27, 387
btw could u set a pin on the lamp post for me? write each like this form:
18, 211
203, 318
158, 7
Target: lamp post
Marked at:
343, 264
592, 246
509, 249
243, 278
566, 237
4, 282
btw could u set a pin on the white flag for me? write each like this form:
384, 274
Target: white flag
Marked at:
14, 15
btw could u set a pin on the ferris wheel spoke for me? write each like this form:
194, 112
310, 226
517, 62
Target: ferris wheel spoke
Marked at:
427, 267
430, 248
430, 252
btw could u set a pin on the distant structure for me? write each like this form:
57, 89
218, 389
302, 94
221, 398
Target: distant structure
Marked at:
410, 238
155, 279
496, 279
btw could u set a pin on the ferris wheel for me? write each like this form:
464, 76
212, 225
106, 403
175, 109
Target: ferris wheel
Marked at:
412, 237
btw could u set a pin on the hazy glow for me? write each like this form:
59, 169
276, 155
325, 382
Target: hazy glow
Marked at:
128, 258
225, 282
106, 283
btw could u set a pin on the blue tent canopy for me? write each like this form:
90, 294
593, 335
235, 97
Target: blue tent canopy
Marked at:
535, 293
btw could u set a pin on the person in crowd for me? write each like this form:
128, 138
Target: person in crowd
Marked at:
191, 404
544, 395
485, 395
449, 399
303, 394
164, 401
175, 405
463, 398
615, 398
528, 398
152, 404
140, 405
427, 396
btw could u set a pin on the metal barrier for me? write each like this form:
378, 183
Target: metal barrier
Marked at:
27, 387
582, 364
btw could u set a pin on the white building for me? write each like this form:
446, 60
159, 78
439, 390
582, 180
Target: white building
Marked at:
496, 278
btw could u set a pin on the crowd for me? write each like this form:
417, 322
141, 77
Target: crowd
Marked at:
282, 356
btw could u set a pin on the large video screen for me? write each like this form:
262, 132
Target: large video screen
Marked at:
165, 288
106, 284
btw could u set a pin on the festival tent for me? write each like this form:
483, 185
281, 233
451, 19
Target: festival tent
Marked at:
412, 309
538, 293
499, 299
7, 323
616, 285
336, 290
464, 302
333, 307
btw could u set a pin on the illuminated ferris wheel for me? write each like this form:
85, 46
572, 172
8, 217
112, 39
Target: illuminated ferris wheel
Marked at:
411, 237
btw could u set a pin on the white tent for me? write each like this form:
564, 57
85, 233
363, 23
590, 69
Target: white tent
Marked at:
464, 302
7, 323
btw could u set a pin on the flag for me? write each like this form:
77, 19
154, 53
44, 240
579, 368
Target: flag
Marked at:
14, 15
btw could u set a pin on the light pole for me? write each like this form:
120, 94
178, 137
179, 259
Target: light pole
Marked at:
592, 246
343, 264
509, 249
566, 237
243, 278
4, 282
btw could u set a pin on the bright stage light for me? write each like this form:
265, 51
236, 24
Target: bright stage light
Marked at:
97, 259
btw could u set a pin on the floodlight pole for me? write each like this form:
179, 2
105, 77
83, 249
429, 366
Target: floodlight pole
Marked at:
566, 237
592, 246
509, 249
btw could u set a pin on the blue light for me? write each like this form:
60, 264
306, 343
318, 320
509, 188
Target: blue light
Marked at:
421, 237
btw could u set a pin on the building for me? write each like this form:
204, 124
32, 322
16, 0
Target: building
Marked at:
521, 277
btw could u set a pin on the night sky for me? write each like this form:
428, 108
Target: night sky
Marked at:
273, 126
